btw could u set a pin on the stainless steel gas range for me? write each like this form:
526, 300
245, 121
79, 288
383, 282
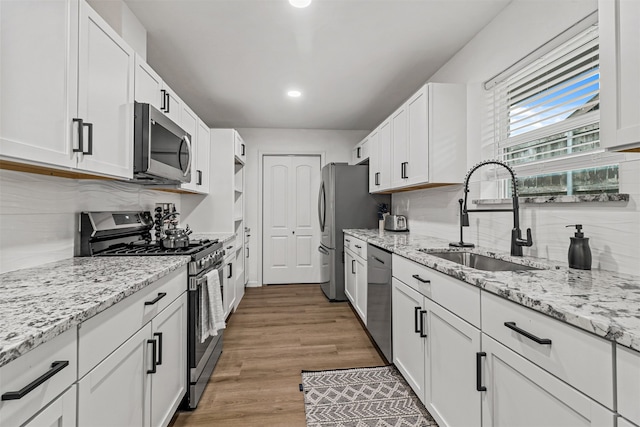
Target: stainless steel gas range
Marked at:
129, 234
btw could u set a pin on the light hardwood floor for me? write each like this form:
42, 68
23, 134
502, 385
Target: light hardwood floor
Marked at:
277, 332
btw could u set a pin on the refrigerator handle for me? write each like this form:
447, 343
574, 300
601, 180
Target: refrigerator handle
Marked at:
322, 207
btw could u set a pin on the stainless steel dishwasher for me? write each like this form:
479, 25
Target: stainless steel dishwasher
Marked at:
379, 299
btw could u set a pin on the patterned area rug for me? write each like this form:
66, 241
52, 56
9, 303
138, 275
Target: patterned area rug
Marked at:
361, 397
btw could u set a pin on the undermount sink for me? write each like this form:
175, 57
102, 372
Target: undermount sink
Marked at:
481, 262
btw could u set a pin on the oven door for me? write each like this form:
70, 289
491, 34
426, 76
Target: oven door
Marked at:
202, 356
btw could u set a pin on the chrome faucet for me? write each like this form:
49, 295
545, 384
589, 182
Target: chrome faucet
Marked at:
517, 242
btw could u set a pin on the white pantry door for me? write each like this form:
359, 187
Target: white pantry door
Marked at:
291, 229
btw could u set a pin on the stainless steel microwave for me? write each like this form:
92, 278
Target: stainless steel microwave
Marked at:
161, 149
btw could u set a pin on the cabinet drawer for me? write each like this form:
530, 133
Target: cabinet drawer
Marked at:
103, 333
38, 364
582, 360
628, 373
455, 295
359, 247
348, 241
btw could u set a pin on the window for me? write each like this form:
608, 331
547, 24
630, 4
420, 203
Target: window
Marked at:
546, 121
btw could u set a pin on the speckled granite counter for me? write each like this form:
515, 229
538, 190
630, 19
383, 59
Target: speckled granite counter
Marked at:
223, 237
601, 302
37, 304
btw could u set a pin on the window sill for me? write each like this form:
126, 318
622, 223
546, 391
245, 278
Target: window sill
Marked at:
582, 198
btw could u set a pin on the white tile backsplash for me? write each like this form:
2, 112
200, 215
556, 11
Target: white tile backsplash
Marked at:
39, 213
613, 229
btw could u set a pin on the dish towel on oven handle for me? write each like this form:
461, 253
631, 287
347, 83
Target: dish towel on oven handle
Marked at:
211, 310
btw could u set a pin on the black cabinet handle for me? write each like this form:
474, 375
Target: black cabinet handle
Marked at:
159, 335
403, 170
230, 271
377, 178
89, 151
358, 246
358, 151
479, 356
242, 149
55, 368
417, 277
416, 312
353, 266
198, 177
154, 363
422, 333
512, 326
164, 100
156, 299
347, 240
168, 103
247, 251
80, 148
230, 247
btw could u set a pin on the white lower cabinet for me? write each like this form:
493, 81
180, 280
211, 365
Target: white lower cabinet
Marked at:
350, 276
116, 392
144, 378
519, 393
452, 346
628, 375
228, 280
355, 274
60, 413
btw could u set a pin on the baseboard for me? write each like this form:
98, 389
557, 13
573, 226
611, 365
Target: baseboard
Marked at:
253, 284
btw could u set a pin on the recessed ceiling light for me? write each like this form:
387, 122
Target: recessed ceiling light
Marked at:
300, 3
294, 93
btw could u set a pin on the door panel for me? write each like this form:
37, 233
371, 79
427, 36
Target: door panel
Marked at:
291, 225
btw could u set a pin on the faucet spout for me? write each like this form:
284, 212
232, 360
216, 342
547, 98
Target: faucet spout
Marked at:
517, 242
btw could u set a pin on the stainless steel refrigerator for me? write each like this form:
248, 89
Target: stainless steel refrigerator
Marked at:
343, 202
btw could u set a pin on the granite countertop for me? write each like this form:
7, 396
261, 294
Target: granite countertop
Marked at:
223, 237
604, 303
37, 304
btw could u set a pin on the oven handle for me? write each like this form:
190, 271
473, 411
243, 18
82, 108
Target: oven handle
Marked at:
196, 282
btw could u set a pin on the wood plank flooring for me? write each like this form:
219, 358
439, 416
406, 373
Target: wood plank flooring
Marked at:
278, 331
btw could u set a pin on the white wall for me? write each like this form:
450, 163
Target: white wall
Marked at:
39, 214
335, 144
613, 228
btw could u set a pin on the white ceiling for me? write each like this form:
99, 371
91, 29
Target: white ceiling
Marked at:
355, 61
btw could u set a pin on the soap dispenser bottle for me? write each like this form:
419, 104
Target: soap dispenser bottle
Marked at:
579, 251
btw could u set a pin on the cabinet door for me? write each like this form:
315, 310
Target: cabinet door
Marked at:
38, 53
172, 105
399, 142
628, 380
418, 138
148, 84
190, 125
240, 148
384, 156
361, 288
350, 276
521, 394
619, 71
229, 285
408, 344
450, 368
169, 383
374, 162
60, 413
106, 94
202, 159
115, 393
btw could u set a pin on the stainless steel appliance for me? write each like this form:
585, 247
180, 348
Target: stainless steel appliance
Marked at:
129, 234
396, 223
161, 149
379, 299
343, 202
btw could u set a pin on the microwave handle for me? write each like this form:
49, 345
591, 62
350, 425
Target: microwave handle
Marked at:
188, 168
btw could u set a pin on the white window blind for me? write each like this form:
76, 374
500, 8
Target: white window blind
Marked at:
546, 118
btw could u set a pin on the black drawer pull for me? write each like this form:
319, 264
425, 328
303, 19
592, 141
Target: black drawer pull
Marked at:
479, 356
55, 368
416, 328
358, 246
156, 299
512, 326
422, 333
417, 277
159, 335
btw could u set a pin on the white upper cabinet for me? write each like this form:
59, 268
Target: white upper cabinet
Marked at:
80, 114
374, 161
240, 149
619, 71
360, 152
423, 143
106, 66
190, 125
171, 104
148, 85
35, 107
202, 158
